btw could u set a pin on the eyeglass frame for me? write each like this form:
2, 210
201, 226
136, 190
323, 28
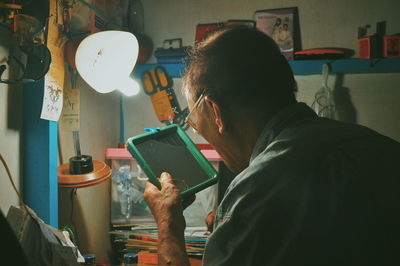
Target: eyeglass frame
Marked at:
189, 121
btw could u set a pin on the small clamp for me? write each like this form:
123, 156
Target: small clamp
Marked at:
151, 130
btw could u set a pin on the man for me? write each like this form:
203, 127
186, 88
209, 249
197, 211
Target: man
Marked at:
308, 190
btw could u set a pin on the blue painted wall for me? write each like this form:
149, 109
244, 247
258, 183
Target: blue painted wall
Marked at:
40, 185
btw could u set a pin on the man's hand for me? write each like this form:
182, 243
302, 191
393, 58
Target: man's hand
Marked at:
210, 220
167, 207
165, 204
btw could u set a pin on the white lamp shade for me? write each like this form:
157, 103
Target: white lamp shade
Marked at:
106, 59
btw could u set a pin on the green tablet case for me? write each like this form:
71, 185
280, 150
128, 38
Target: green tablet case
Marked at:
171, 150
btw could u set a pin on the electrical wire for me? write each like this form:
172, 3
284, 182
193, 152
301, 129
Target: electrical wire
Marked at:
13, 184
71, 228
73, 193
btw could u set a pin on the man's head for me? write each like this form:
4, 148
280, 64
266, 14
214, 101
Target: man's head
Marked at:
243, 70
243, 76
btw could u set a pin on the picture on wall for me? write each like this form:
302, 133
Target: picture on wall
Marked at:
282, 26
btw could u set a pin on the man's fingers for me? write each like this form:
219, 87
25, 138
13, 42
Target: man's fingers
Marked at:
210, 220
166, 178
150, 188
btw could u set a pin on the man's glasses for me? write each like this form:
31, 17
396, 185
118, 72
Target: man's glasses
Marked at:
190, 118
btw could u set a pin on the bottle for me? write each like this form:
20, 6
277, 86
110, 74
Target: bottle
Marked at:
124, 180
130, 259
90, 259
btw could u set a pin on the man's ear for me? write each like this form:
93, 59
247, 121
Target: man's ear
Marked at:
216, 112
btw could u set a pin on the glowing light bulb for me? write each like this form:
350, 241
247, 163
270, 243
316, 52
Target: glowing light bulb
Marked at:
106, 59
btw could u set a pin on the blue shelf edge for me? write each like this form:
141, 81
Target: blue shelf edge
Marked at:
174, 70
349, 66
308, 67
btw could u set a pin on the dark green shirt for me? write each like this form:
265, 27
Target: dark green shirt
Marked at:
316, 192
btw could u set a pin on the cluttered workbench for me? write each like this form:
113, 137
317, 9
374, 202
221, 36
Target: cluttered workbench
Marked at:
133, 231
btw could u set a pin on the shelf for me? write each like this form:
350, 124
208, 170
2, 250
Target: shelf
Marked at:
309, 67
174, 70
349, 66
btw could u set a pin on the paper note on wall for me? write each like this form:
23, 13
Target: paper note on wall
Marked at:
71, 109
54, 79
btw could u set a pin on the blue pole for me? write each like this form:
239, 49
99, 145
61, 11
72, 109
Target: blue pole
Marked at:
40, 182
121, 119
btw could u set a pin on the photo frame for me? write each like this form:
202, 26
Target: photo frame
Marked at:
282, 25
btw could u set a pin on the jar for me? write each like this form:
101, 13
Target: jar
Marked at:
90, 259
130, 259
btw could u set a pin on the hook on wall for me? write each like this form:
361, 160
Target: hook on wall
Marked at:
325, 74
2, 69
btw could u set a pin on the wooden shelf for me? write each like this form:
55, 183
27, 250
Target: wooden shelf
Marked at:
309, 67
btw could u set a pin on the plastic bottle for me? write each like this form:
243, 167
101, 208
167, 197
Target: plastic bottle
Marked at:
124, 180
90, 259
130, 259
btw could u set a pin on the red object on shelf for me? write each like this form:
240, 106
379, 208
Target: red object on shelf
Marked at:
209, 152
370, 46
364, 47
151, 258
204, 146
391, 46
102, 262
145, 257
203, 29
206, 149
319, 51
118, 153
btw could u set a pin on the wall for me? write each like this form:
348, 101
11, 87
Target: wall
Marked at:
367, 99
10, 130
139, 113
99, 129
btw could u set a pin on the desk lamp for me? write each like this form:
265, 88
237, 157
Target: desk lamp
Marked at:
105, 60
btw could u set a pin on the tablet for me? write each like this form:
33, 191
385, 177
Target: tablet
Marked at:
170, 149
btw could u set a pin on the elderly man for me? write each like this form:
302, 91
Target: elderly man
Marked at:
308, 190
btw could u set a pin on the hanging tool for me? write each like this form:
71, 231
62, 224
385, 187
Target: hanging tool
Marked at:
324, 104
158, 85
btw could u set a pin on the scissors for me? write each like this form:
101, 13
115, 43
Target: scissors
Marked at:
155, 80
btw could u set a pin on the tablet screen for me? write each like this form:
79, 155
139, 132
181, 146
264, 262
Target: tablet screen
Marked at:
168, 153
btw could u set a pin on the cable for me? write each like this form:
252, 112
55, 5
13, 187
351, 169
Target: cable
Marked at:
12, 183
73, 193
71, 228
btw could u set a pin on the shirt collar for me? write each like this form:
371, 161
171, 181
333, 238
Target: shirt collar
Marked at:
284, 118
